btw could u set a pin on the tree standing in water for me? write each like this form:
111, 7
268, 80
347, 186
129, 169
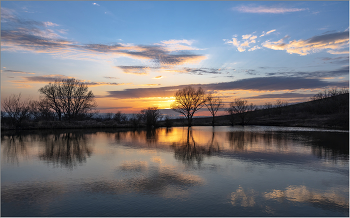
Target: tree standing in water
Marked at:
187, 101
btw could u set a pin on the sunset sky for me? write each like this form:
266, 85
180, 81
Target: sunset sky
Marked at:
135, 55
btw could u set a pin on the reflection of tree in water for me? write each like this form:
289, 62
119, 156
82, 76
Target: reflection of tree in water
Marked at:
66, 150
327, 145
239, 140
189, 151
151, 136
332, 146
14, 147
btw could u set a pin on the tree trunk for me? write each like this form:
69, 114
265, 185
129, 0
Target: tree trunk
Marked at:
189, 121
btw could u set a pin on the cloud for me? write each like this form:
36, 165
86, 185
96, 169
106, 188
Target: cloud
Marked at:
91, 84
177, 45
45, 79
139, 70
267, 10
201, 71
144, 70
315, 74
111, 77
95, 4
53, 78
248, 39
33, 36
15, 71
267, 33
157, 77
50, 24
337, 60
149, 85
338, 52
254, 48
254, 84
333, 41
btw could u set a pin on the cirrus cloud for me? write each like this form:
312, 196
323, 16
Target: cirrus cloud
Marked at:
267, 10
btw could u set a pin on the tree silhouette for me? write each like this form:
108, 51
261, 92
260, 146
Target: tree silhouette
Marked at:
68, 97
187, 101
151, 116
213, 104
16, 109
241, 107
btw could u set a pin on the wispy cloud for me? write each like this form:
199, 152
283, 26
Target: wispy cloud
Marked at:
315, 74
15, 71
337, 60
144, 70
50, 24
149, 85
333, 41
177, 45
53, 78
157, 77
267, 10
139, 70
267, 33
95, 4
338, 52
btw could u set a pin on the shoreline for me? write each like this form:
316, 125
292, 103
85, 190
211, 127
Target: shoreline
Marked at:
77, 126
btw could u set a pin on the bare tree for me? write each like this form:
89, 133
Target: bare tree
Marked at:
268, 107
213, 104
151, 115
16, 109
241, 107
231, 114
68, 97
187, 101
135, 120
279, 105
120, 118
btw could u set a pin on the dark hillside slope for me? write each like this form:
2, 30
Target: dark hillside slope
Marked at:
331, 112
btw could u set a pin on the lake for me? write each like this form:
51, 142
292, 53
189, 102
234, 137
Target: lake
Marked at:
201, 171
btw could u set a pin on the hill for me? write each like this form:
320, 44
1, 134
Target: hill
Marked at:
331, 112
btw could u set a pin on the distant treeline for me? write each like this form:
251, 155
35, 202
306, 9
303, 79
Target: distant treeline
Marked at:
69, 104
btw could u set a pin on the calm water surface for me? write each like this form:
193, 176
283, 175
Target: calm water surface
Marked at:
204, 171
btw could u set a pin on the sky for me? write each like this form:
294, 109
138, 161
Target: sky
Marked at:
137, 54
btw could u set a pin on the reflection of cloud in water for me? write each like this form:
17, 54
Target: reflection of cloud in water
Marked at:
243, 198
330, 199
157, 159
134, 166
160, 181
